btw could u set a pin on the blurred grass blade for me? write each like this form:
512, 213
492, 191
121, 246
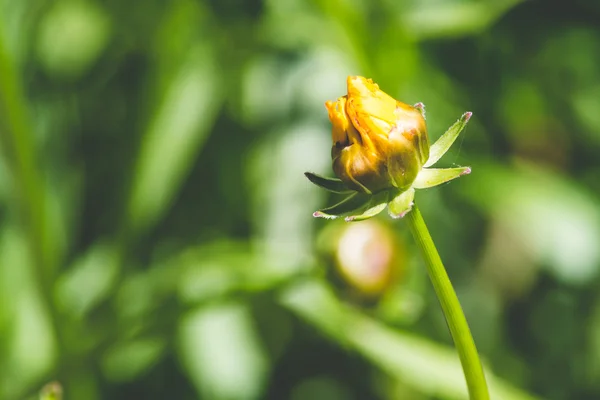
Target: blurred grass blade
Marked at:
222, 353
89, 281
17, 142
24, 321
417, 362
174, 137
127, 361
29, 201
453, 18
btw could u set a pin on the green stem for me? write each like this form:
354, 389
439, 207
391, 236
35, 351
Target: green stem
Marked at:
459, 329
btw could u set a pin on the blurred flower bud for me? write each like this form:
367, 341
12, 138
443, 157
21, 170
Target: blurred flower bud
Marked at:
378, 142
367, 258
51, 391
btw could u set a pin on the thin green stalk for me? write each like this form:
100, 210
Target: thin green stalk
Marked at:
459, 329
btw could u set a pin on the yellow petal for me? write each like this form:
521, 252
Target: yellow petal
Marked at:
342, 132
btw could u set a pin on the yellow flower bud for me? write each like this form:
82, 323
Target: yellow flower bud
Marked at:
381, 153
378, 143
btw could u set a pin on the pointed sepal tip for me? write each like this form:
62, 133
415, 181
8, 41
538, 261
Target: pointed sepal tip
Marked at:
320, 214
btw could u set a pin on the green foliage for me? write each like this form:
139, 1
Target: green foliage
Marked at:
156, 238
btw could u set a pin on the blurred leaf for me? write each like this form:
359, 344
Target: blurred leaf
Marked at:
72, 34
222, 354
557, 221
310, 28
586, 103
28, 343
432, 368
52, 391
217, 269
452, 18
282, 203
89, 280
260, 99
17, 22
272, 89
592, 366
138, 296
18, 146
175, 136
127, 361
321, 388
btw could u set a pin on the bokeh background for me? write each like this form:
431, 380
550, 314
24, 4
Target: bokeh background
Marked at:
156, 238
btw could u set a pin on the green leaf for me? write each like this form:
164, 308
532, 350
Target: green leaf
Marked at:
351, 203
332, 184
402, 204
441, 146
430, 177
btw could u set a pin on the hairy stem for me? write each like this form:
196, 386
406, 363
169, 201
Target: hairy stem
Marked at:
457, 323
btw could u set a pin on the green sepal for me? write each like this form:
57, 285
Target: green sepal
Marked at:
401, 204
377, 204
369, 213
430, 177
349, 204
331, 184
441, 146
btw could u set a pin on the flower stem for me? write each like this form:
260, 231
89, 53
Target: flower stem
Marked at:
459, 329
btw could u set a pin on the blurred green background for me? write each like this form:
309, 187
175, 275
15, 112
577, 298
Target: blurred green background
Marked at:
156, 238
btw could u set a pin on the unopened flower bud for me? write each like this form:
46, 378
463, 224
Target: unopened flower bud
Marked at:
368, 258
378, 143
381, 153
